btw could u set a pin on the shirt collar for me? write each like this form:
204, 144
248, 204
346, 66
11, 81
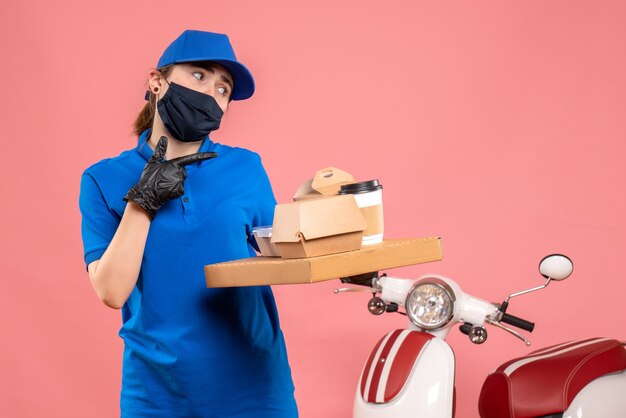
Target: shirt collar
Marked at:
143, 147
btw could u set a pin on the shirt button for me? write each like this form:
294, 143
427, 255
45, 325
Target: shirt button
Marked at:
186, 200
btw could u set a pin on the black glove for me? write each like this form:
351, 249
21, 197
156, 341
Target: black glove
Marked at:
162, 180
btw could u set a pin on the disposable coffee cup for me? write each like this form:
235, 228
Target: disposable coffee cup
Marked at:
369, 198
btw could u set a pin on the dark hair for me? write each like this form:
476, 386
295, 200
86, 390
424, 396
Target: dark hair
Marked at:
146, 117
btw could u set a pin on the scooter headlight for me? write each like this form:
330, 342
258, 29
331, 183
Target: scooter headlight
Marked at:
430, 303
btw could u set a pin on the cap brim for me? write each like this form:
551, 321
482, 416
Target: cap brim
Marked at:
244, 83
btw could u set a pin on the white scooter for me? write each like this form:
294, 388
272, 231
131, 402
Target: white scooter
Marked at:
410, 372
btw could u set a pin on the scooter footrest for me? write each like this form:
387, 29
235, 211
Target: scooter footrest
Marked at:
546, 381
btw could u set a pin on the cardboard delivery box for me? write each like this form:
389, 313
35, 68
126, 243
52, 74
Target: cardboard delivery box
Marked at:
271, 270
314, 227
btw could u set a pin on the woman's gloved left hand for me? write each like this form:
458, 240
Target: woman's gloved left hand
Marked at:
162, 180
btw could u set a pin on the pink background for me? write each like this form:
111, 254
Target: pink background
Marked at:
498, 125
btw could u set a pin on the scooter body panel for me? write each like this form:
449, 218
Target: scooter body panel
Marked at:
605, 397
427, 393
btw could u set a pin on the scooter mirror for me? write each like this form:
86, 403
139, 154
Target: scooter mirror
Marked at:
556, 267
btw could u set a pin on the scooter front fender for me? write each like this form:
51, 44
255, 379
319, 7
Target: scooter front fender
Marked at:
427, 392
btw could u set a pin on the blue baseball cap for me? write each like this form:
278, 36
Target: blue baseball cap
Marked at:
195, 45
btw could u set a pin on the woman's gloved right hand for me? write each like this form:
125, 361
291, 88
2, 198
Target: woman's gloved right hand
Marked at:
162, 180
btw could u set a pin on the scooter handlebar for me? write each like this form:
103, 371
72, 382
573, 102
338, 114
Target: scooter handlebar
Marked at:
518, 322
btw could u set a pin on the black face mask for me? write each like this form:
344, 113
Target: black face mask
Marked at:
188, 114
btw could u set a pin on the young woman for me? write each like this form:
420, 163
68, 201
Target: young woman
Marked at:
154, 216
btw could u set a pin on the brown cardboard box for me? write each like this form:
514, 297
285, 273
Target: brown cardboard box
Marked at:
326, 182
314, 227
270, 270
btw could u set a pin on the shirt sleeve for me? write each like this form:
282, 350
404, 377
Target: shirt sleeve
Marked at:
266, 202
99, 222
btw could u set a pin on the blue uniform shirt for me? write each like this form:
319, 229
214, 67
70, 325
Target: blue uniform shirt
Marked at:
190, 351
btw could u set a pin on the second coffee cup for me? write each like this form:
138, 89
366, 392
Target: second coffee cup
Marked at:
369, 198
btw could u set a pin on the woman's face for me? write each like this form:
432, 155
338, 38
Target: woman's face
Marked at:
208, 78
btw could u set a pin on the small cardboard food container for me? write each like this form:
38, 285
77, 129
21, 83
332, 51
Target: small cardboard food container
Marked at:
326, 182
314, 227
263, 236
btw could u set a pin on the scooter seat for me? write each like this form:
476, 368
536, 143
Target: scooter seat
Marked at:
546, 381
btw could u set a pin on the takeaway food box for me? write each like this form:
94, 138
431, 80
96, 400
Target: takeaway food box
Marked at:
324, 234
